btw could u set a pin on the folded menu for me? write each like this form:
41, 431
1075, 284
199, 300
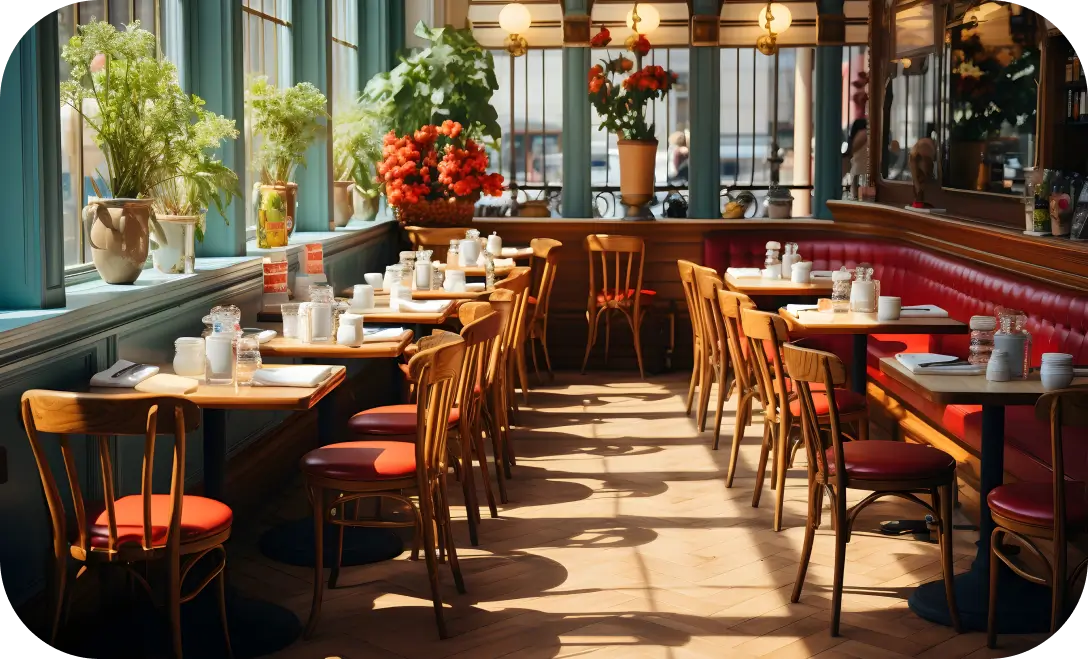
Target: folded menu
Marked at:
925, 363
165, 383
382, 334
744, 272
923, 311
424, 306
509, 251
504, 263
292, 376
796, 309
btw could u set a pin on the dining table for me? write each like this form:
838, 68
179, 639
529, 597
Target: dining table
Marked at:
1024, 607
809, 321
755, 286
257, 627
382, 314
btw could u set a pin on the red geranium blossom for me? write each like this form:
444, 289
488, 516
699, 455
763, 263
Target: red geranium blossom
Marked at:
435, 163
601, 39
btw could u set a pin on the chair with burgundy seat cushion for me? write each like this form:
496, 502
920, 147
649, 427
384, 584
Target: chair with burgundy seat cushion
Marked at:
615, 286
881, 468
1056, 512
391, 420
544, 265
340, 474
767, 334
174, 528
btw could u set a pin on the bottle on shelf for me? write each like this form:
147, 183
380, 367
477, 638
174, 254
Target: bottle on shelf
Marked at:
1069, 67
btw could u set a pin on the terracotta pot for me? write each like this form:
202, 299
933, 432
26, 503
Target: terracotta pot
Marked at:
638, 159
365, 207
438, 213
343, 206
275, 214
177, 254
119, 233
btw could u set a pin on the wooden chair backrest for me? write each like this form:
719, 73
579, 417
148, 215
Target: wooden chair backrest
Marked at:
707, 285
482, 328
436, 239
436, 372
98, 416
518, 282
732, 305
767, 333
546, 250
502, 300
1061, 409
806, 367
615, 267
691, 296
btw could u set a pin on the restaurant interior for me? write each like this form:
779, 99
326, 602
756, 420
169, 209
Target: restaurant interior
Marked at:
552, 328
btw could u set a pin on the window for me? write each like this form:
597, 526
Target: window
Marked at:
82, 165
266, 28
345, 52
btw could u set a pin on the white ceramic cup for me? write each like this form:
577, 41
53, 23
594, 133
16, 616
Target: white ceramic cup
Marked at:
362, 296
997, 369
219, 349
350, 331
470, 252
374, 279
888, 308
455, 281
801, 273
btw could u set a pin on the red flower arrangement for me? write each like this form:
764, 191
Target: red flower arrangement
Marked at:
622, 107
434, 164
601, 39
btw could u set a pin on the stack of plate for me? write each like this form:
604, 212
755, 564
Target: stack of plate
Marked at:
1057, 371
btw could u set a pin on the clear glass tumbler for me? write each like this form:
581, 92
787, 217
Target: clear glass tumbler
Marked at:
248, 360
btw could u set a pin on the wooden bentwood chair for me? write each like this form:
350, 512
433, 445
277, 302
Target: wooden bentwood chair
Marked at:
1042, 511
544, 265
732, 305
884, 468
617, 263
174, 528
339, 474
699, 365
767, 334
717, 367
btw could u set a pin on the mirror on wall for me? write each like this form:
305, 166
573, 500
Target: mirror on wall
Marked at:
992, 69
911, 89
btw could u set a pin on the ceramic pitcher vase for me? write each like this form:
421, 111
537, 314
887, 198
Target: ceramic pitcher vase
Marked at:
343, 206
177, 255
118, 231
638, 159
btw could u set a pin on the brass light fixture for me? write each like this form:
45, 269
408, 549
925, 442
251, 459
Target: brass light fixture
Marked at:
515, 19
776, 19
642, 19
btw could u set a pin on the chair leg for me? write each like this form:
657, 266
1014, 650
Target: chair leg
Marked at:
532, 353
222, 595
815, 506
523, 371
334, 573
863, 429
426, 509
497, 441
991, 618
842, 536
706, 376
723, 375
173, 602
942, 505
60, 589
740, 423
468, 485
696, 373
544, 348
1057, 586
509, 458
591, 340
761, 469
317, 497
451, 548
607, 336
780, 471
481, 459
636, 330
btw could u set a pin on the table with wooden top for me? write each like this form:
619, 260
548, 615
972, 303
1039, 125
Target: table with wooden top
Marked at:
383, 315
383, 349
430, 295
757, 286
1024, 607
860, 326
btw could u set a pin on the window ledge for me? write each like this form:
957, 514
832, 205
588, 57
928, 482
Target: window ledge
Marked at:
93, 306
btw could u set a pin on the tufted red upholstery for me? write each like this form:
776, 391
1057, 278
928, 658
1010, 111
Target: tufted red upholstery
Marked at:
877, 460
391, 420
362, 461
200, 518
1033, 503
1057, 320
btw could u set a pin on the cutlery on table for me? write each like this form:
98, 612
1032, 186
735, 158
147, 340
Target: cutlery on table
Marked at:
955, 362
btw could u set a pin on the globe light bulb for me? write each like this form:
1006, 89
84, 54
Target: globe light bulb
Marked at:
782, 18
648, 18
515, 18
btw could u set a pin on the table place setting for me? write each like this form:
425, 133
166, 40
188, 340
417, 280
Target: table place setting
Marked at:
924, 363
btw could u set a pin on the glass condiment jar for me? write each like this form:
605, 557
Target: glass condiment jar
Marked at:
226, 318
841, 281
864, 291
189, 356
453, 257
392, 276
1012, 337
982, 339
321, 308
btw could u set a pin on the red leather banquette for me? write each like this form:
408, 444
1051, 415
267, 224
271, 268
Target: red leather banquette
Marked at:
1058, 322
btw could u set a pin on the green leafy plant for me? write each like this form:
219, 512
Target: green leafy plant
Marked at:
154, 137
289, 120
453, 78
357, 147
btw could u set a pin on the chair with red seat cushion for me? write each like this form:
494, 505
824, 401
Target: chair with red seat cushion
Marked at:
1056, 511
767, 334
391, 420
616, 266
883, 468
544, 265
176, 529
339, 474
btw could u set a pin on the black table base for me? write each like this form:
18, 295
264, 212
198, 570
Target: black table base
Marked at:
293, 543
1022, 607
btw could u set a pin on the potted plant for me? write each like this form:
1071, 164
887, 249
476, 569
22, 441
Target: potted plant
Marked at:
357, 148
131, 101
622, 108
434, 176
288, 120
452, 79
183, 198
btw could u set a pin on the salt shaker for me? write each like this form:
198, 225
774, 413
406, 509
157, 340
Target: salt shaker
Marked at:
494, 243
453, 257
772, 265
864, 291
840, 290
789, 257
424, 275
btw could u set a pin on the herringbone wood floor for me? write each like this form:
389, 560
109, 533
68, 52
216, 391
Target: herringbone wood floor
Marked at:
621, 540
